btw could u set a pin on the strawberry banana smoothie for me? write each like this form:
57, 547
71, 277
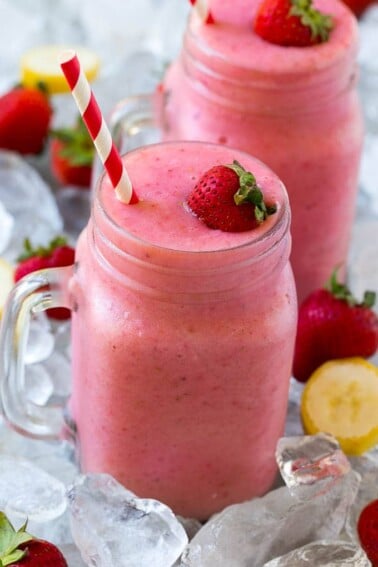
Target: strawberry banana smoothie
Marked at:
183, 335
293, 107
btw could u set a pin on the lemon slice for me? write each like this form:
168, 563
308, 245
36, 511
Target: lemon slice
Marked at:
341, 398
6, 282
41, 64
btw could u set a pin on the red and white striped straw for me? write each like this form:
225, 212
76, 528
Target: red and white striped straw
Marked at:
203, 11
97, 127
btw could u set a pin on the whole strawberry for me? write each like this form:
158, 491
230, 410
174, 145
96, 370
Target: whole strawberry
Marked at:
55, 255
293, 23
72, 153
20, 549
227, 198
25, 115
332, 325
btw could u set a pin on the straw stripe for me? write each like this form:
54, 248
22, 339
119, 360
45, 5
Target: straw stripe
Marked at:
103, 142
115, 166
203, 11
98, 130
92, 116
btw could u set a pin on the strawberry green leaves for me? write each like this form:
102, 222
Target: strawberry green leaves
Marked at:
10, 540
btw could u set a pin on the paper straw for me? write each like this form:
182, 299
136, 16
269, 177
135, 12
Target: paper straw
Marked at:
203, 11
97, 127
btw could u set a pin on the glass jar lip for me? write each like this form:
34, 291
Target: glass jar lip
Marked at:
279, 227
272, 60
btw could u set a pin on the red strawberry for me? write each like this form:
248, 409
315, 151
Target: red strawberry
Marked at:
25, 115
20, 549
72, 154
227, 198
358, 6
292, 23
56, 254
367, 528
331, 325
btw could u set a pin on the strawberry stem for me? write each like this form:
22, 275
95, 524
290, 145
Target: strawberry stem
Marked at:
249, 192
78, 146
320, 24
342, 292
40, 251
10, 540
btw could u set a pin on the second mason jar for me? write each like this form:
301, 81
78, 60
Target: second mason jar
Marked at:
182, 337
294, 108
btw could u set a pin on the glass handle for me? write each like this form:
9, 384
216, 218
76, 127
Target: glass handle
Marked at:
36, 292
133, 121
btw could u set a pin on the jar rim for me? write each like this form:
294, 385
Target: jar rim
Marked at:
269, 61
274, 233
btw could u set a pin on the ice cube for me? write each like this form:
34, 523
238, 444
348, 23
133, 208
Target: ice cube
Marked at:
38, 384
114, 528
367, 467
28, 491
40, 340
6, 224
259, 530
22, 191
293, 420
310, 463
62, 334
74, 205
61, 453
58, 530
190, 525
323, 554
72, 555
58, 368
362, 265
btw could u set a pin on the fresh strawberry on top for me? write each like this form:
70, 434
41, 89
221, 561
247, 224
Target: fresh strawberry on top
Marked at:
227, 198
293, 23
25, 115
332, 324
72, 153
20, 549
55, 255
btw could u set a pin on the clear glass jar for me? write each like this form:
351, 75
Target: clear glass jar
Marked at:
181, 358
296, 109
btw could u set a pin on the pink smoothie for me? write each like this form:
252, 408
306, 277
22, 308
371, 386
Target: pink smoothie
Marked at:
294, 108
182, 337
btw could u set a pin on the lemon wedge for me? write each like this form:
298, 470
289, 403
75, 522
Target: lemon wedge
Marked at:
41, 64
341, 398
6, 282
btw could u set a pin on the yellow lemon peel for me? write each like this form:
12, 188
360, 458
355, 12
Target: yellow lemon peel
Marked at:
41, 65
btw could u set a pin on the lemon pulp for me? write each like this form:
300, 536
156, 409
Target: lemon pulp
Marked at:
41, 65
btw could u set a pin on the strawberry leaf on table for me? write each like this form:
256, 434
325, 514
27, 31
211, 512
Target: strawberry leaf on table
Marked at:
10, 540
41, 251
77, 146
72, 153
20, 549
